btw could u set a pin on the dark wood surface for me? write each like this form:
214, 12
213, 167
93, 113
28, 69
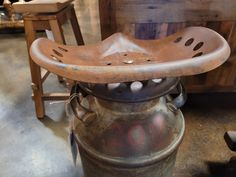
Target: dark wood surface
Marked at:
158, 19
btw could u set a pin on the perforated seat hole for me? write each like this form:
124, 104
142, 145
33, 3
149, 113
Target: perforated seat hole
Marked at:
148, 60
157, 81
108, 63
136, 86
128, 61
113, 86
198, 46
189, 42
57, 53
125, 54
62, 49
198, 54
55, 58
178, 39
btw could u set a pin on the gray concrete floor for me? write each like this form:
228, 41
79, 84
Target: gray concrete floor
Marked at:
39, 148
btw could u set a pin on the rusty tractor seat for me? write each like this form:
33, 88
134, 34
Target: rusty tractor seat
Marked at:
121, 58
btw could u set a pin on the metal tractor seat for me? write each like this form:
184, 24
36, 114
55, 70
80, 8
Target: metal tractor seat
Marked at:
122, 58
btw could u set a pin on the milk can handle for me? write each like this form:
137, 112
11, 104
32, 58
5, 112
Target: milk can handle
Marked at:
181, 99
87, 115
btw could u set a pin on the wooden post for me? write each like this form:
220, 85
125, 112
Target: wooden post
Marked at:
76, 28
35, 71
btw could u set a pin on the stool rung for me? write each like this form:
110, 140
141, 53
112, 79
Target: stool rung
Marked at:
45, 76
55, 96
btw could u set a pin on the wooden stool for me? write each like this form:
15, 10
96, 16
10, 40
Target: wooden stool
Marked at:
46, 15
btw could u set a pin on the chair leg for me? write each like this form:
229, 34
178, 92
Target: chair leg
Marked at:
35, 72
58, 37
76, 28
57, 31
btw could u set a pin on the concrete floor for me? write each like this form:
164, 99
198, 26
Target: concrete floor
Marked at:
39, 148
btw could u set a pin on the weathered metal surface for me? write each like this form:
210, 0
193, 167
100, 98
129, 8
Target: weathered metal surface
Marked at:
137, 91
121, 58
179, 101
94, 168
136, 139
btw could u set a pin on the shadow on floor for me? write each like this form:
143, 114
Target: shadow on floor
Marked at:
219, 169
212, 100
59, 128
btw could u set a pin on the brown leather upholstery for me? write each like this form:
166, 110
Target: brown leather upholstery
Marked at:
121, 58
41, 6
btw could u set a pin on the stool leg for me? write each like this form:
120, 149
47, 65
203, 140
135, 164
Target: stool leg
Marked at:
76, 28
57, 31
35, 71
58, 36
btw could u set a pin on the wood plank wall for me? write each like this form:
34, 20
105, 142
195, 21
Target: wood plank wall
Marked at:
153, 19
87, 12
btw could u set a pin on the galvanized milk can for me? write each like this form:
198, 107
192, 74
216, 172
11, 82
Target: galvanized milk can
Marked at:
123, 133
131, 128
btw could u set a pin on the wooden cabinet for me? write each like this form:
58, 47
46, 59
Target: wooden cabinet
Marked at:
151, 19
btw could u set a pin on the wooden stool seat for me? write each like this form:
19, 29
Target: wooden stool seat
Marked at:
41, 6
46, 15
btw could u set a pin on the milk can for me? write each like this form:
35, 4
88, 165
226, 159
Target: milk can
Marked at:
127, 132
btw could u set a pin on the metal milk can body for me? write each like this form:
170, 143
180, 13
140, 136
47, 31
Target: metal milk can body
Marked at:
127, 139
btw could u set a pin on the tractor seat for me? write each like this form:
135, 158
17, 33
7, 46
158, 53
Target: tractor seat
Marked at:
122, 58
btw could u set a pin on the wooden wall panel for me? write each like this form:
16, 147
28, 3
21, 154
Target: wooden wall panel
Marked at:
157, 11
108, 17
153, 19
145, 31
87, 12
128, 29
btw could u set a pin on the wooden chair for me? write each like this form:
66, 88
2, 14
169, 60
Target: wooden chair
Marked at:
46, 15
